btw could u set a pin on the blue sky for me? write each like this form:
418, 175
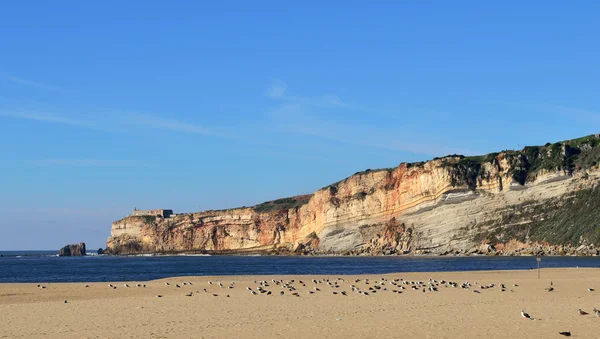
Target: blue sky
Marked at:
106, 106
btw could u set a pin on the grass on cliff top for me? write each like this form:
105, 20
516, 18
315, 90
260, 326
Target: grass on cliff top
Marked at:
282, 204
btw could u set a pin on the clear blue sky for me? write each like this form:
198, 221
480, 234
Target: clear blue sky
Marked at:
110, 105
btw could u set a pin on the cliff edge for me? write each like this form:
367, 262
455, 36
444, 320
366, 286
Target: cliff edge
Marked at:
539, 199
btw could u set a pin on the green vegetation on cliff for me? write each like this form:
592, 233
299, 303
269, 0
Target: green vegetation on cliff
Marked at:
282, 204
573, 220
566, 156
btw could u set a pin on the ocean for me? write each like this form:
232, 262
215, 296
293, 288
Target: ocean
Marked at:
45, 266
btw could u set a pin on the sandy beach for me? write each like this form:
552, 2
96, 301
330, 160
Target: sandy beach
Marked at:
99, 311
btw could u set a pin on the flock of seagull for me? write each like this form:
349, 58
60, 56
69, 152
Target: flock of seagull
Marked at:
367, 287
581, 312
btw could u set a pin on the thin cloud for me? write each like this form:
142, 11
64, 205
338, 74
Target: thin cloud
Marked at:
112, 122
57, 119
83, 163
171, 124
276, 89
294, 119
26, 82
567, 110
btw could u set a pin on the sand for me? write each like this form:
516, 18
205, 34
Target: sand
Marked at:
99, 311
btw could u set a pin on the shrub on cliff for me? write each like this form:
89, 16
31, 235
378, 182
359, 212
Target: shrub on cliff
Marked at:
282, 204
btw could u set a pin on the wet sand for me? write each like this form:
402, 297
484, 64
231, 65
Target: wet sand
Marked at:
99, 311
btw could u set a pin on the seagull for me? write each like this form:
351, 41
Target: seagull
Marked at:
189, 294
215, 295
281, 293
525, 315
550, 289
159, 296
566, 334
86, 285
582, 312
125, 285
591, 289
253, 293
167, 284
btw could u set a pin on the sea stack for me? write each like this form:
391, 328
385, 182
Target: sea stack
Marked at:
72, 250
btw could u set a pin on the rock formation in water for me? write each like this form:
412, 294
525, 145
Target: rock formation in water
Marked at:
72, 250
541, 199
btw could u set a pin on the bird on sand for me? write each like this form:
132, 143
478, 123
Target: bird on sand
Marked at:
591, 289
566, 333
525, 315
582, 312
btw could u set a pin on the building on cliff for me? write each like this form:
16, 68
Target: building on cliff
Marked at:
152, 213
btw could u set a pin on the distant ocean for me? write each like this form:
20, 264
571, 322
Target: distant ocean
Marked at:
45, 266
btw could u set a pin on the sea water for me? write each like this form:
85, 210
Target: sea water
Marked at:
46, 266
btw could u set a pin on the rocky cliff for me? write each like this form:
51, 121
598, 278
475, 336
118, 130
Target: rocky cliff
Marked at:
72, 250
541, 198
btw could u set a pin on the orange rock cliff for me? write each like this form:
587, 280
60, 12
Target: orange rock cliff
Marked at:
508, 201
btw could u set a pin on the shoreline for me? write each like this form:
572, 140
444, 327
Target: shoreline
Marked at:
291, 276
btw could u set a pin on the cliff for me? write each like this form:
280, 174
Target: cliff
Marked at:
541, 198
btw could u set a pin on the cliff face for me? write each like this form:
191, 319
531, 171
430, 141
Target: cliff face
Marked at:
502, 202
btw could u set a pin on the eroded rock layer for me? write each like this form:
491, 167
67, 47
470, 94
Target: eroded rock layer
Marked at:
537, 199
